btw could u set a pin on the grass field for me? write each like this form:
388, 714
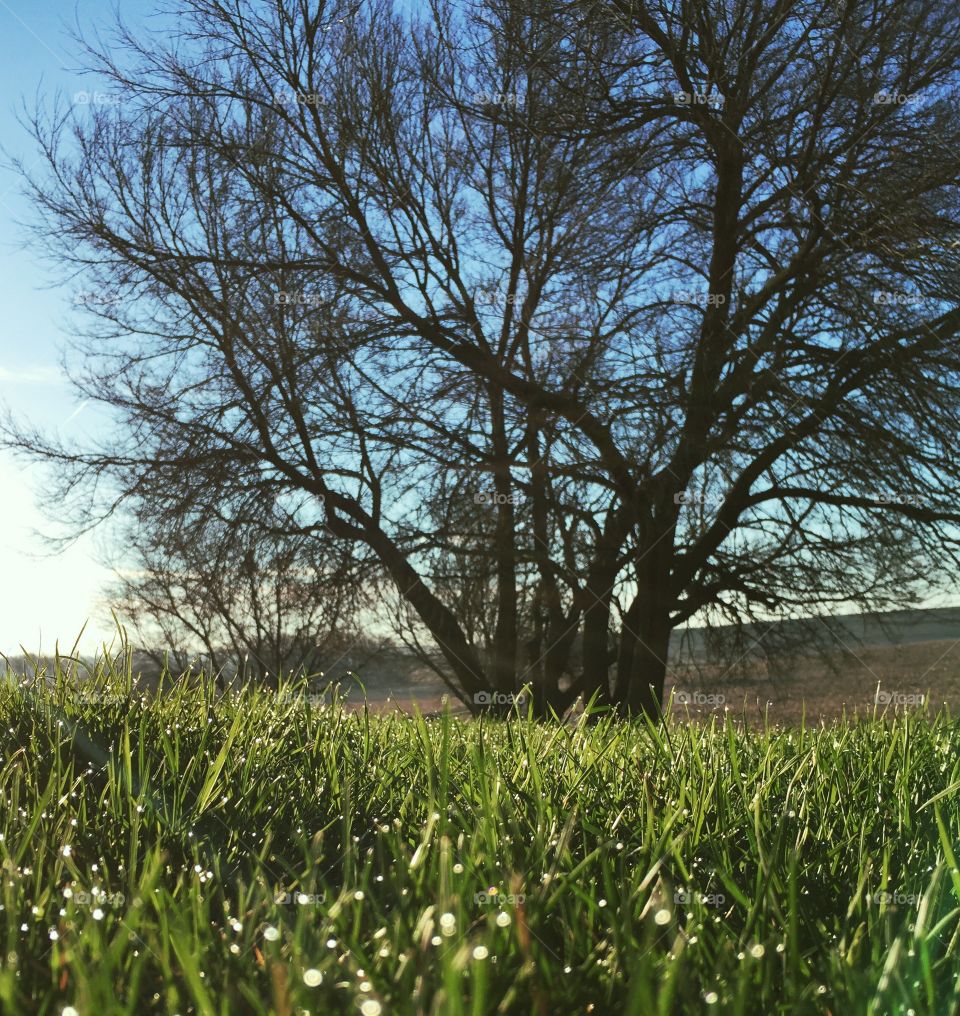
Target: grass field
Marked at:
254, 854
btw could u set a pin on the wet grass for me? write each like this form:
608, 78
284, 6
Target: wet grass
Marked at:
261, 854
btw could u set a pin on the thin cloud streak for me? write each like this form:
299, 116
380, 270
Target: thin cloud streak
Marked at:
31, 376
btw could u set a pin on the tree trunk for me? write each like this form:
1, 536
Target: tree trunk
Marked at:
642, 668
504, 663
645, 638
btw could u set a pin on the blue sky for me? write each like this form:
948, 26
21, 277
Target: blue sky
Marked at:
42, 598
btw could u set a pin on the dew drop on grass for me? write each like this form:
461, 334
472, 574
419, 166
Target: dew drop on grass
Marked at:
270, 933
312, 977
661, 917
97, 914
757, 950
711, 998
371, 1008
503, 919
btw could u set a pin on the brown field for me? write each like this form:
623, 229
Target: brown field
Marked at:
786, 691
855, 682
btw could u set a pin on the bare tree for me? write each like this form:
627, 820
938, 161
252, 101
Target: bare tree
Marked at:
583, 320
240, 601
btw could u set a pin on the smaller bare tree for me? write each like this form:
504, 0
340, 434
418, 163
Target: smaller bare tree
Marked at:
243, 601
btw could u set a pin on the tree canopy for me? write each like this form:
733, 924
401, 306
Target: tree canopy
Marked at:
574, 321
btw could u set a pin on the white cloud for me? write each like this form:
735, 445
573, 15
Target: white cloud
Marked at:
31, 375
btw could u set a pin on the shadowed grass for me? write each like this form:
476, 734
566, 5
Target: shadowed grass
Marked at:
253, 853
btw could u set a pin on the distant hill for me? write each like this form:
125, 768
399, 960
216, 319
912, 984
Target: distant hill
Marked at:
909, 651
844, 631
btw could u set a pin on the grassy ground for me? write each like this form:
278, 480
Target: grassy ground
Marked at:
254, 855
